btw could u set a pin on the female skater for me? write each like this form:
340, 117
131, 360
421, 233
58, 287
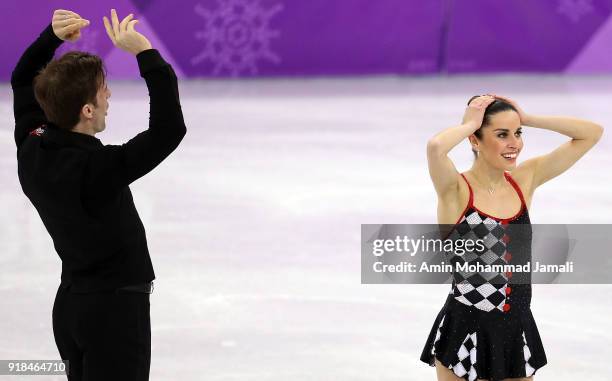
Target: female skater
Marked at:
485, 330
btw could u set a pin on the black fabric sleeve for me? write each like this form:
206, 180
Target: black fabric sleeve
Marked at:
113, 167
27, 111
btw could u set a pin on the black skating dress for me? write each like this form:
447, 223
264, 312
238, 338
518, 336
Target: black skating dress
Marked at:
485, 328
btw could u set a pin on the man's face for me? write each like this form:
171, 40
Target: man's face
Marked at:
101, 111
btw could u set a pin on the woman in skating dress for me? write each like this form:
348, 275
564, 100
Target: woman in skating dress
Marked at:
485, 330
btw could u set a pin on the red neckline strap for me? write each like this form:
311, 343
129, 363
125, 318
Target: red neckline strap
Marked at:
502, 220
516, 187
471, 200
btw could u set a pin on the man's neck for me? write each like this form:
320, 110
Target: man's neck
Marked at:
84, 129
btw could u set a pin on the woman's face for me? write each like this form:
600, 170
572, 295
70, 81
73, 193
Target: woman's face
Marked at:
501, 141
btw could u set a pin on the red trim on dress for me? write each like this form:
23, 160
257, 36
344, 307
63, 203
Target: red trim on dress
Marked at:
515, 186
502, 220
470, 204
470, 201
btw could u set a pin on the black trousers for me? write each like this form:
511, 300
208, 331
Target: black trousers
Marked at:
104, 336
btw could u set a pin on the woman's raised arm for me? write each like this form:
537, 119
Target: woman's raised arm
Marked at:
441, 169
583, 133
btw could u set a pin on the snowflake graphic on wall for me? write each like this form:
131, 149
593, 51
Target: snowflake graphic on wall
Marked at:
236, 36
575, 10
87, 43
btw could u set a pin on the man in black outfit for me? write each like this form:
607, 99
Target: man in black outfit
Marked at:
80, 189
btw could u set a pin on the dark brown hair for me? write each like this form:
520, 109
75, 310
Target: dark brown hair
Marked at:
66, 84
495, 107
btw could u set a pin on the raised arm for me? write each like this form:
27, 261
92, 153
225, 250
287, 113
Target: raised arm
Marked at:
65, 25
441, 169
583, 133
115, 166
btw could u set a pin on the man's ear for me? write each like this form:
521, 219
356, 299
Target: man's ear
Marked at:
87, 111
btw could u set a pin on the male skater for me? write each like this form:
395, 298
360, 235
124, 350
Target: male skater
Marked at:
80, 189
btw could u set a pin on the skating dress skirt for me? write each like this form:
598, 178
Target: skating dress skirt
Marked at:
485, 330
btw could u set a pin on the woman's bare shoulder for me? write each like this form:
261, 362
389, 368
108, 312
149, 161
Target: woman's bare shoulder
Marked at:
451, 206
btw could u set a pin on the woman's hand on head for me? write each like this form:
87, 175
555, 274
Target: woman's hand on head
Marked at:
522, 115
474, 113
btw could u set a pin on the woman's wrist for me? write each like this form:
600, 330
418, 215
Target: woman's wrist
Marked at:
472, 125
528, 120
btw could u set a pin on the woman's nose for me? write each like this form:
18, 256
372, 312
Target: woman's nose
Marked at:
514, 143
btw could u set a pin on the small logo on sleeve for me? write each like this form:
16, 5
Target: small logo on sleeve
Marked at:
38, 131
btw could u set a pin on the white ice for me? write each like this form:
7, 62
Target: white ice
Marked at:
253, 226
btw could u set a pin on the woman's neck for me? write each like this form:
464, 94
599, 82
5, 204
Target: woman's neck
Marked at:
486, 174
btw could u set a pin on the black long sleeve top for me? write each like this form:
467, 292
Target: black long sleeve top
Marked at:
80, 187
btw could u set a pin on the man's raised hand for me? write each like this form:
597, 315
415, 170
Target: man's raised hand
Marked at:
123, 35
67, 25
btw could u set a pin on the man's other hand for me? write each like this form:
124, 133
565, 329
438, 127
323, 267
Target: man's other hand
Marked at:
123, 35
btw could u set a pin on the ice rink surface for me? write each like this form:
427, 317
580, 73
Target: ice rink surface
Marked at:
253, 226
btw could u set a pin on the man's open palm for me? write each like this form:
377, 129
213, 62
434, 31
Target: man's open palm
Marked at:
123, 35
